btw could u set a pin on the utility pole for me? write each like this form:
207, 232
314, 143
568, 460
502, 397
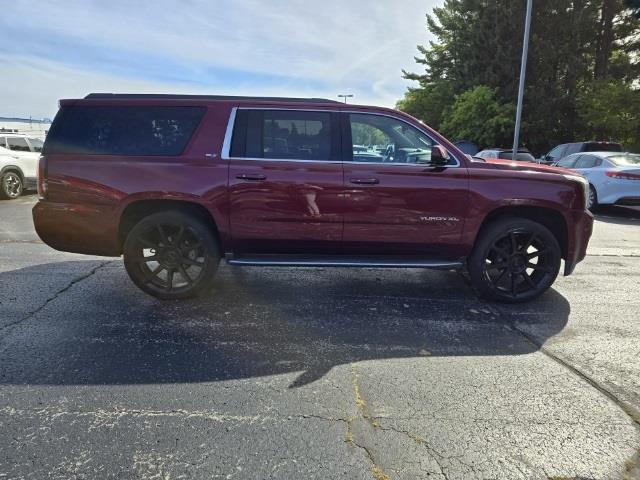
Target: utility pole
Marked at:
523, 69
345, 96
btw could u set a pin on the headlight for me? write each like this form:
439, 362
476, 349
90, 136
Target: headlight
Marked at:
585, 186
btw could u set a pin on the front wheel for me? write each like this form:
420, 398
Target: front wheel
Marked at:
10, 186
514, 260
172, 255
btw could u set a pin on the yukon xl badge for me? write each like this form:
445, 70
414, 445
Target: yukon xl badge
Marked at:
439, 219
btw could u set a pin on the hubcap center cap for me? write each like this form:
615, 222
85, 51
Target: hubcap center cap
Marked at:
171, 257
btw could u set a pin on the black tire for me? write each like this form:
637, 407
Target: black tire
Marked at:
11, 185
592, 201
514, 260
172, 255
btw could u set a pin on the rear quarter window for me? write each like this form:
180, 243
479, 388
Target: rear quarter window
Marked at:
123, 130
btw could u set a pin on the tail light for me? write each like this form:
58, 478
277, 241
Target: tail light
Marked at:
43, 184
623, 175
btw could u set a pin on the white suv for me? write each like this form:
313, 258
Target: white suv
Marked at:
19, 156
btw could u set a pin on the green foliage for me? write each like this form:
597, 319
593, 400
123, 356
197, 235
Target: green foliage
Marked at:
610, 110
367, 135
479, 42
429, 103
478, 116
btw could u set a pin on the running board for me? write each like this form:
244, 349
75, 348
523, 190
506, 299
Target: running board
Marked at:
341, 261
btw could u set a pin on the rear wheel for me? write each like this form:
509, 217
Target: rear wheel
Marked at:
10, 186
172, 255
514, 260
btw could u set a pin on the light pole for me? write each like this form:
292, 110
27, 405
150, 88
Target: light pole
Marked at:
523, 69
345, 96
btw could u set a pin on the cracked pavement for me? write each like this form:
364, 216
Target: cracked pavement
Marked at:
316, 373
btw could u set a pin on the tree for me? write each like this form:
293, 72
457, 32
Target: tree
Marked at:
479, 42
610, 110
478, 116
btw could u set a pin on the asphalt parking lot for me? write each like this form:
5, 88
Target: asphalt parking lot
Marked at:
316, 373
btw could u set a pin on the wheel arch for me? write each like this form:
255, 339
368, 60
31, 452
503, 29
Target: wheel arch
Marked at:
548, 217
139, 209
14, 169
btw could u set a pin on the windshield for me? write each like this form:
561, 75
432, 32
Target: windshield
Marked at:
628, 159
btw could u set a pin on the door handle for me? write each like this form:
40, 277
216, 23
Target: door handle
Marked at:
255, 177
364, 181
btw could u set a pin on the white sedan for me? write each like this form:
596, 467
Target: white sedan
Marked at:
614, 177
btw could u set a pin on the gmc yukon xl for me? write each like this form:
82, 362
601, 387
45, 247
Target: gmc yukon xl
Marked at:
174, 183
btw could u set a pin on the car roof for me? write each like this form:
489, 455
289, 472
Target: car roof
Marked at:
165, 96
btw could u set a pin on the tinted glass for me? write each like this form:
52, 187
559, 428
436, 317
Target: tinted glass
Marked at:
386, 139
520, 156
587, 161
556, 152
602, 147
36, 144
282, 134
568, 162
573, 148
18, 144
133, 130
3, 142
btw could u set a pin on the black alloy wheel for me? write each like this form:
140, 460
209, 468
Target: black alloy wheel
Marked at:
515, 260
11, 186
172, 255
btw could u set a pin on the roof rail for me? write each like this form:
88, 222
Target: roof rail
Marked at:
205, 97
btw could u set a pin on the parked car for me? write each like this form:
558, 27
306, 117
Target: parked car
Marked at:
522, 155
175, 183
559, 152
19, 173
614, 178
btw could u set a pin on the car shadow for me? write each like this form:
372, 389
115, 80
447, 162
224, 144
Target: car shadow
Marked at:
257, 322
618, 215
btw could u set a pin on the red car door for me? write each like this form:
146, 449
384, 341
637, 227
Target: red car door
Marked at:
285, 181
395, 201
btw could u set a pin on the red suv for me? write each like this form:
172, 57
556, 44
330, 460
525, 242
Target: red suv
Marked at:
174, 183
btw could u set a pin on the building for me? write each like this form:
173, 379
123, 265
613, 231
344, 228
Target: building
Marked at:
29, 126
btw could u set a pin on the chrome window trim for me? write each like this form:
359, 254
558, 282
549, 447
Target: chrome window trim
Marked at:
226, 144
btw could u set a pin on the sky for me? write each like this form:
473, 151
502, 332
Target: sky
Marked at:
54, 49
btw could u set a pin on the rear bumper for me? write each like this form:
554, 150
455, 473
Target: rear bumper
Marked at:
580, 227
75, 228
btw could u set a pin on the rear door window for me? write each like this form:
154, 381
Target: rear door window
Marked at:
285, 135
3, 142
568, 162
18, 144
588, 161
36, 144
124, 130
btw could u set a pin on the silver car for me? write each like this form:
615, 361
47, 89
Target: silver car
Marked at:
614, 177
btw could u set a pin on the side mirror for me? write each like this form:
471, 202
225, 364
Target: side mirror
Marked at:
439, 156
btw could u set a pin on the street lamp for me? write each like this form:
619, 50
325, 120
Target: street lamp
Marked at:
345, 96
523, 69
